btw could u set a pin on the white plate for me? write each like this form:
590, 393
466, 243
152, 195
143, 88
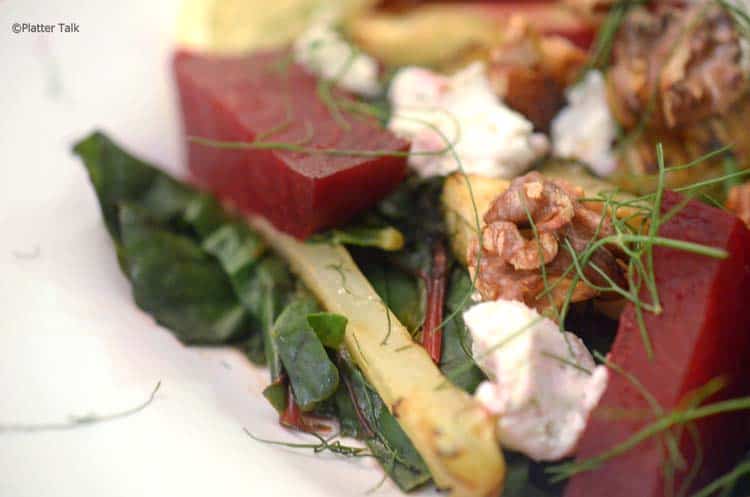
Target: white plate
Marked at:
71, 340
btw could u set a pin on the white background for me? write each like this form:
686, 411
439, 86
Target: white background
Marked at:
71, 340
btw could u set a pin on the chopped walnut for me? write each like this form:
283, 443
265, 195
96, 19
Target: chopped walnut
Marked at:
688, 61
511, 256
527, 69
679, 77
530, 71
739, 202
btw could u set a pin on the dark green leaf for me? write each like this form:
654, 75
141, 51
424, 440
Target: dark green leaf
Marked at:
205, 215
401, 292
313, 376
327, 408
166, 199
456, 362
329, 327
205, 236
119, 177
227, 238
236, 247
413, 208
177, 283
389, 445
275, 393
267, 292
349, 425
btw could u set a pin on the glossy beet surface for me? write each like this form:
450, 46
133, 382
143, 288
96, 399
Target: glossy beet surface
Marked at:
702, 334
265, 97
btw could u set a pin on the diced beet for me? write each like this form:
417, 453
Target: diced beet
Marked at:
266, 97
703, 333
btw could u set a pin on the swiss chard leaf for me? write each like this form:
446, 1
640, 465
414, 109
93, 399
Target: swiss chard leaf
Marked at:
413, 209
401, 292
329, 327
268, 290
261, 280
275, 394
119, 177
389, 444
349, 425
457, 362
177, 231
314, 378
177, 283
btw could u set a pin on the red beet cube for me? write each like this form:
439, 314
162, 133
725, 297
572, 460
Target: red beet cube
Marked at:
265, 97
703, 333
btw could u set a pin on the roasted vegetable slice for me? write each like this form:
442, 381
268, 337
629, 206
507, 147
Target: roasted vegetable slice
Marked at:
453, 434
430, 35
465, 201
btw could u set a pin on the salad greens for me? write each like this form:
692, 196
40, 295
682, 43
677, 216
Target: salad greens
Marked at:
207, 276
314, 378
457, 363
172, 276
177, 282
388, 442
329, 327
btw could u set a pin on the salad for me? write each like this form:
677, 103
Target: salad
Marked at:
504, 246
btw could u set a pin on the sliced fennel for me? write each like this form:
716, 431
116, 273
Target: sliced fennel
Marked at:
453, 434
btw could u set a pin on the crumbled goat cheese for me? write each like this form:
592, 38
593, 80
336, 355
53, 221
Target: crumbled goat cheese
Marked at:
543, 383
324, 52
438, 113
585, 129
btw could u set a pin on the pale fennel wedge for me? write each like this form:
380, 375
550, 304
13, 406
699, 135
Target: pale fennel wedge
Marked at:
451, 431
466, 199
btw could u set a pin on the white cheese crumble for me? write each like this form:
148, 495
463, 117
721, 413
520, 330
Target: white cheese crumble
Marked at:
585, 129
489, 138
543, 383
324, 52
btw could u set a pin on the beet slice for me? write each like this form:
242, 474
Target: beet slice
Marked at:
702, 333
264, 96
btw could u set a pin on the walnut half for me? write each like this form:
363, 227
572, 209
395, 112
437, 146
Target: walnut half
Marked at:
513, 261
